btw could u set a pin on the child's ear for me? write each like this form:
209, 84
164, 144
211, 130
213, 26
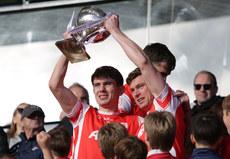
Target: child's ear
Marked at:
115, 157
193, 139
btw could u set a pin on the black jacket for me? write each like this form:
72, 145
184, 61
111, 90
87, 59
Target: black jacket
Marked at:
4, 147
205, 107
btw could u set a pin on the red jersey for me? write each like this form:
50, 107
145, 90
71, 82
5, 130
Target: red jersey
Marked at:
86, 123
158, 154
167, 102
224, 148
128, 105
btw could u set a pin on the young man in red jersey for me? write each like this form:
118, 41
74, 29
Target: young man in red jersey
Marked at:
107, 87
154, 76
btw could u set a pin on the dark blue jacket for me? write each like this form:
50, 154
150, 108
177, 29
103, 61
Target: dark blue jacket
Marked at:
26, 149
4, 148
204, 153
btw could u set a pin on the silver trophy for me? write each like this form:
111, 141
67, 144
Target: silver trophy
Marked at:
88, 29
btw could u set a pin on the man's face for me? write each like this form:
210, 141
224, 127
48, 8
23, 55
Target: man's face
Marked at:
141, 93
162, 68
204, 94
33, 124
106, 92
80, 94
226, 119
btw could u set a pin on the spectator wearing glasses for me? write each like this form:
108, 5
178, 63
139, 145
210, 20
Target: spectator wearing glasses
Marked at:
205, 90
16, 125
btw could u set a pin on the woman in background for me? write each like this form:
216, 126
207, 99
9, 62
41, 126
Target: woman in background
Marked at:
16, 125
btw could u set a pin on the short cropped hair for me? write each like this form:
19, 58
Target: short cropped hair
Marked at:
130, 147
132, 75
60, 141
108, 72
206, 128
213, 77
158, 52
108, 136
161, 129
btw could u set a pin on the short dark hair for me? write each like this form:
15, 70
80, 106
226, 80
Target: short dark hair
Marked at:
158, 52
108, 72
213, 77
132, 75
108, 136
130, 147
206, 128
60, 141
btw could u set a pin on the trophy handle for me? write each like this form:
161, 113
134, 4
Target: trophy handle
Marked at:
73, 51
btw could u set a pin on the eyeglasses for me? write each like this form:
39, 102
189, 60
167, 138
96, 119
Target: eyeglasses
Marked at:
20, 110
205, 86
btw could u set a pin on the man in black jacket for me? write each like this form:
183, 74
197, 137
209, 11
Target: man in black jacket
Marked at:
205, 90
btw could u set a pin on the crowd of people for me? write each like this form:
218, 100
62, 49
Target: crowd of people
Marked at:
144, 118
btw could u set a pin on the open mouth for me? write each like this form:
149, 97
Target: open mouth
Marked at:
103, 96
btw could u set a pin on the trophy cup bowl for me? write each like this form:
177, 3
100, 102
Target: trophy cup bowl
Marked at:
73, 48
87, 15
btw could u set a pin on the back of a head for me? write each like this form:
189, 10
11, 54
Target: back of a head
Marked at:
60, 141
108, 136
226, 103
158, 52
130, 148
7, 156
108, 72
206, 128
160, 127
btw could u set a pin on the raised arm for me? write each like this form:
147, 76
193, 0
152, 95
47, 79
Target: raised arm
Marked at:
152, 77
65, 97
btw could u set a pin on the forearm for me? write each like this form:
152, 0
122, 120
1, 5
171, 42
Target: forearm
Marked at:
137, 56
64, 96
131, 49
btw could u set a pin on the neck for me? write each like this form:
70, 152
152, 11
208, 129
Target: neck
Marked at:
19, 129
108, 110
204, 146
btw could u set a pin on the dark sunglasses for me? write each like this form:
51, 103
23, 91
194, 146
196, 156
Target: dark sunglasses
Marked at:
20, 110
205, 86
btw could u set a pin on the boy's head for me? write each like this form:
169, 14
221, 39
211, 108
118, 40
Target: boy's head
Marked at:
206, 129
130, 147
108, 136
60, 142
160, 129
226, 112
